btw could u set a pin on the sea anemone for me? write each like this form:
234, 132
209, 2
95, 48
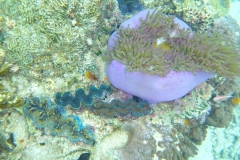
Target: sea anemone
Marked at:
134, 46
158, 58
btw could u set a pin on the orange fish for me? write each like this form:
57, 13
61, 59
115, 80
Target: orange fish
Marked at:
235, 100
221, 98
186, 122
89, 75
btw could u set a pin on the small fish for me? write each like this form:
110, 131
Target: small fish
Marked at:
221, 98
186, 122
235, 100
174, 32
89, 75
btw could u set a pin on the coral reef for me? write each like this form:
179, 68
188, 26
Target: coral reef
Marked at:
195, 105
89, 75
179, 141
105, 148
221, 6
225, 141
220, 116
4, 69
44, 113
8, 98
22, 140
14, 133
167, 6
54, 46
50, 36
162, 141
140, 145
198, 15
229, 29
6, 145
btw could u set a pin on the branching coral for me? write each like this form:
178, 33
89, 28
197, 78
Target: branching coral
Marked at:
135, 49
41, 31
164, 141
8, 99
220, 116
198, 15
195, 105
221, 6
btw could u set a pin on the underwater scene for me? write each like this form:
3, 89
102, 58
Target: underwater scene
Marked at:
119, 79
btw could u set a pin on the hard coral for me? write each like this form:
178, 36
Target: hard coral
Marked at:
198, 15
141, 69
50, 37
220, 116
8, 99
